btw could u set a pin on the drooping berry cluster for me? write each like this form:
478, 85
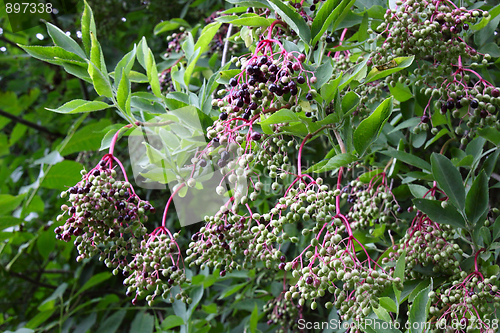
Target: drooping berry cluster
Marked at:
434, 33
467, 305
103, 211
427, 243
284, 313
372, 203
155, 268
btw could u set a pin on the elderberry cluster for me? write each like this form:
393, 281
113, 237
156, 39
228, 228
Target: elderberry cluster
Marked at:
372, 204
428, 244
467, 305
154, 268
433, 33
267, 83
103, 211
284, 313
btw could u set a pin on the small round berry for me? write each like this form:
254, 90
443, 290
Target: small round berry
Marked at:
202, 163
233, 82
474, 104
223, 116
256, 136
425, 119
300, 79
309, 96
495, 92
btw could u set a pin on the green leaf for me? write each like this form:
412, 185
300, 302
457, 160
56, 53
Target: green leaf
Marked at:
9, 221
80, 105
388, 304
400, 273
142, 323
94, 281
53, 54
419, 310
323, 74
254, 319
64, 41
46, 243
333, 163
490, 162
449, 179
88, 138
382, 314
401, 63
9, 202
491, 134
349, 103
331, 13
62, 175
370, 128
496, 229
356, 74
292, 18
171, 322
125, 65
281, 116
437, 213
320, 23
408, 158
234, 289
39, 319
100, 81
170, 25
329, 89
111, 324
152, 73
400, 92
367, 176
123, 94
486, 235
418, 191
477, 199
248, 19
56, 294
87, 27
206, 36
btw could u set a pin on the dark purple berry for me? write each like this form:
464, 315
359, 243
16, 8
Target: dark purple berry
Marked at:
223, 116
255, 136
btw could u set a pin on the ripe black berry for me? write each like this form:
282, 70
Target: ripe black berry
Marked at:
256, 136
301, 79
223, 116
474, 104
233, 82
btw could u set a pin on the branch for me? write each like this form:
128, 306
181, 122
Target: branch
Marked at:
38, 283
226, 45
29, 124
8, 41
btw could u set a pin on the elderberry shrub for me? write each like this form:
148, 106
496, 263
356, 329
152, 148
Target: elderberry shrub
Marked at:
103, 211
